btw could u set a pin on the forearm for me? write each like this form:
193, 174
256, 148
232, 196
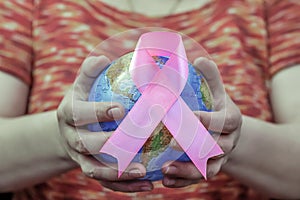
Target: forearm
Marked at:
261, 158
30, 151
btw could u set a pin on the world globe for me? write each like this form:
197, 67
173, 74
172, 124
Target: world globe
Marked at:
115, 84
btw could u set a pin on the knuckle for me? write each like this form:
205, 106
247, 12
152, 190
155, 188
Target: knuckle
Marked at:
213, 170
230, 146
62, 112
232, 121
59, 115
89, 172
79, 145
74, 116
73, 119
65, 113
211, 173
100, 113
227, 145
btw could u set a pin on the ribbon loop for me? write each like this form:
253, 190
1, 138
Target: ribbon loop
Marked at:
160, 101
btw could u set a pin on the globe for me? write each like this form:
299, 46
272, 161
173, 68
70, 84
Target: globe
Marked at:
114, 84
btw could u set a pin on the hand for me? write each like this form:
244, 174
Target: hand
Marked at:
75, 112
226, 119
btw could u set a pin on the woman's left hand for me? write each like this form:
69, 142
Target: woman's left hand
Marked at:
225, 119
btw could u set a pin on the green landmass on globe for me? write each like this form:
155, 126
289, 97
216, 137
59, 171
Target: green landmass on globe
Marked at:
115, 84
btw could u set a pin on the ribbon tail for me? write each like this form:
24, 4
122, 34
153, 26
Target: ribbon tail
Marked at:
115, 147
191, 135
200, 155
137, 126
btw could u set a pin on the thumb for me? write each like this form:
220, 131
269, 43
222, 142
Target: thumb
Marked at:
89, 71
213, 78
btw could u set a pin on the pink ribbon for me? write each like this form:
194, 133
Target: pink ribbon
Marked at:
160, 101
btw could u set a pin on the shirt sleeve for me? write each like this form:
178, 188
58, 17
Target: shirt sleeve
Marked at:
283, 23
16, 38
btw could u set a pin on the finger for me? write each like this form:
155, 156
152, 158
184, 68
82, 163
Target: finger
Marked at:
109, 171
89, 71
128, 186
214, 166
93, 141
228, 142
172, 182
225, 121
84, 141
186, 170
225, 133
212, 76
83, 112
212, 121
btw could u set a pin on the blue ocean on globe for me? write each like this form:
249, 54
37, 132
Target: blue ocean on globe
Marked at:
114, 84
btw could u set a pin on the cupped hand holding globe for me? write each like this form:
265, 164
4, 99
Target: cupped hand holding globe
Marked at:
75, 112
226, 118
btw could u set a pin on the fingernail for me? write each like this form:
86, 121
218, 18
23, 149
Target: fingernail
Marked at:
135, 173
146, 188
170, 170
218, 156
114, 113
173, 143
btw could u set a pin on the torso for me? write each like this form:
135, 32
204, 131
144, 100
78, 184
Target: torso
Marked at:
66, 31
156, 8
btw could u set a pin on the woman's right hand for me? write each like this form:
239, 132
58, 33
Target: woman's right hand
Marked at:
75, 112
